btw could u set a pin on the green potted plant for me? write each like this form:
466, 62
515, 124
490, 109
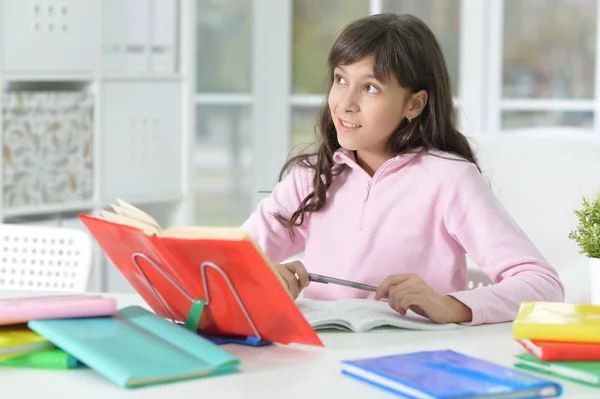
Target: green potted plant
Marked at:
587, 236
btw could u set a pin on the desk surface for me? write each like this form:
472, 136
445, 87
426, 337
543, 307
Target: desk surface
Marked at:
278, 371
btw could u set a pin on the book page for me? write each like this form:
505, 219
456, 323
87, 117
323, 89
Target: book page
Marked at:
127, 214
321, 315
219, 233
362, 315
126, 221
132, 212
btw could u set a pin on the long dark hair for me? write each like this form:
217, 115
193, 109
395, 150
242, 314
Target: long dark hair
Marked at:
404, 46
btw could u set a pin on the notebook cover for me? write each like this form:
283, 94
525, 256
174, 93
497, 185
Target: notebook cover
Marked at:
54, 358
267, 302
136, 347
447, 374
18, 339
562, 351
587, 373
557, 321
21, 310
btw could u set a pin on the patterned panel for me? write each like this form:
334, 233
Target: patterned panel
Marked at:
47, 147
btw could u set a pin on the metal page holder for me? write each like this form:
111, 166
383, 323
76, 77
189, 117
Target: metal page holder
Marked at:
255, 340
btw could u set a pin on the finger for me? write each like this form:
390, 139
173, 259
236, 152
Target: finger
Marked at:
292, 283
418, 310
409, 300
397, 298
404, 282
389, 281
294, 290
298, 270
396, 303
291, 266
302, 274
407, 287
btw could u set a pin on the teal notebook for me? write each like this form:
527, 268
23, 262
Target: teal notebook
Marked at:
136, 347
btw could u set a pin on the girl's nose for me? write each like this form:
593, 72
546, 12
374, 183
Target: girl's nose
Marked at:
349, 102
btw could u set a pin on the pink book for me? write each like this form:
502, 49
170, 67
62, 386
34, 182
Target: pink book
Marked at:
22, 310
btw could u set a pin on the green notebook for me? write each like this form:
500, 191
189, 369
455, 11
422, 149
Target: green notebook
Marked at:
582, 372
45, 359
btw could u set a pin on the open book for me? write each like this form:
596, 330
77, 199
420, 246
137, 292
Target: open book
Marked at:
129, 215
171, 268
362, 315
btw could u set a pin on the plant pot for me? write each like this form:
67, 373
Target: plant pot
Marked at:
594, 264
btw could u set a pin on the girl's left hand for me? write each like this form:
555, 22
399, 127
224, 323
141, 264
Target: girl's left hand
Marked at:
409, 291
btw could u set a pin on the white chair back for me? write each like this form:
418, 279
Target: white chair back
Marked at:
477, 278
540, 177
43, 258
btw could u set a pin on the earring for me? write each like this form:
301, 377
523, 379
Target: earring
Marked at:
409, 119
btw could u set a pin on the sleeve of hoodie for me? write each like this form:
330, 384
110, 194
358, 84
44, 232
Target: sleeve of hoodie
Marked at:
482, 226
269, 234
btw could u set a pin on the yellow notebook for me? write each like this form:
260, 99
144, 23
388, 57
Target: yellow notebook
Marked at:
18, 339
557, 321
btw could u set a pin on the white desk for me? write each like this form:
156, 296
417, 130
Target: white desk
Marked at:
277, 371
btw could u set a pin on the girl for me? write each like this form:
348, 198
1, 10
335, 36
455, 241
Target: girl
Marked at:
394, 197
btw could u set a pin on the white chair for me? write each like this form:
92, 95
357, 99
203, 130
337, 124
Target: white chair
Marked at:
477, 278
540, 176
43, 258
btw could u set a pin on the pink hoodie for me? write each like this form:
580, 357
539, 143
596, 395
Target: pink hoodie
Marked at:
419, 214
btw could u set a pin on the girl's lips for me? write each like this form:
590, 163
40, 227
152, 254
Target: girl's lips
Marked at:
346, 128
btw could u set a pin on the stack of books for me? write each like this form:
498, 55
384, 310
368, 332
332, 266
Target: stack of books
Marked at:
72, 331
20, 346
560, 339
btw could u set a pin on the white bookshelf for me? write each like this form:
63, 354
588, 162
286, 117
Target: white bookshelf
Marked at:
135, 60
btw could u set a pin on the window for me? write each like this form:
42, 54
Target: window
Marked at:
317, 24
548, 57
222, 157
515, 65
443, 17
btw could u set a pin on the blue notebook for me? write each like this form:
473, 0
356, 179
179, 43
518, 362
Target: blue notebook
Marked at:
137, 347
446, 374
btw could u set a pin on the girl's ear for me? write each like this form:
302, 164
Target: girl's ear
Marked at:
417, 103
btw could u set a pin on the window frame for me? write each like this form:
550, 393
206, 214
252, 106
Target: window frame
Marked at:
479, 103
497, 104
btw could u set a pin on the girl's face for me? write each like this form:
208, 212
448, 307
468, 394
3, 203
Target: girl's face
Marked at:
366, 111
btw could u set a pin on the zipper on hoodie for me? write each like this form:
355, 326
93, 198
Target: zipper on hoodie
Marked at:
364, 207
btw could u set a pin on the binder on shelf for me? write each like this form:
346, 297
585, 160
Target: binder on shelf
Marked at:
136, 35
113, 55
215, 281
164, 33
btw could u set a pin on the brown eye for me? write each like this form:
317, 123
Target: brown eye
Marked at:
340, 80
372, 89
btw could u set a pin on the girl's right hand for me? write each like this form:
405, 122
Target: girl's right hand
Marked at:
295, 275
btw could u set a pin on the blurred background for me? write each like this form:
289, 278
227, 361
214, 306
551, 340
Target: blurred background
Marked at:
189, 108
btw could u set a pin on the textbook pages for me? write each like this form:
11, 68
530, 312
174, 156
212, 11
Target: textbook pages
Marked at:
129, 215
362, 315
